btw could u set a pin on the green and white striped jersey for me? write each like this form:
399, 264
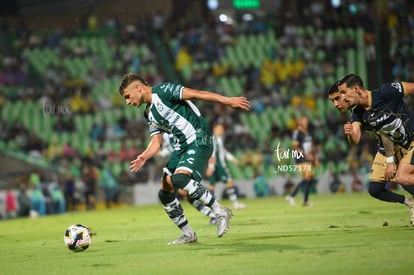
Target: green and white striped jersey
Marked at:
169, 113
220, 152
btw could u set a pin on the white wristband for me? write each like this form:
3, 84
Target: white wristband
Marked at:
389, 159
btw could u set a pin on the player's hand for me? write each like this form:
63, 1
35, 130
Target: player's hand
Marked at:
239, 103
389, 171
209, 171
348, 128
137, 164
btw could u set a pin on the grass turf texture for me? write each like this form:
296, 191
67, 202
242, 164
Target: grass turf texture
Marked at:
341, 234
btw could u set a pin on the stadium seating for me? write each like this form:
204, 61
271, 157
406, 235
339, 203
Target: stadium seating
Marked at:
247, 50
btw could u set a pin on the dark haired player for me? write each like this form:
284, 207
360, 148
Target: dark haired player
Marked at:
169, 109
387, 114
381, 170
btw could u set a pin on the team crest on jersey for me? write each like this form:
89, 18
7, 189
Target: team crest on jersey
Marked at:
397, 86
159, 106
176, 92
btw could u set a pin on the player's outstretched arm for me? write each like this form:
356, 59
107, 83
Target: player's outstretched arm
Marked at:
152, 149
233, 102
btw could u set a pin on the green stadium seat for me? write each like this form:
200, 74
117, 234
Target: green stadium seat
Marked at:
351, 60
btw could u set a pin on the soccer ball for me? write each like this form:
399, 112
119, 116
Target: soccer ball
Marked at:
77, 237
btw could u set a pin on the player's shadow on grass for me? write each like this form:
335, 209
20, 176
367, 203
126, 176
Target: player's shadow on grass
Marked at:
248, 244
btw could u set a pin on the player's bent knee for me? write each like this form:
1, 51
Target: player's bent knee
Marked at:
401, 178
166, 183
165, 196
180, 180
404, 174
376, 188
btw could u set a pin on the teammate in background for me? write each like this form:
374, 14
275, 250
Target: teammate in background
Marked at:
167, 150
217, 167
169, 109
302, 142
382, 171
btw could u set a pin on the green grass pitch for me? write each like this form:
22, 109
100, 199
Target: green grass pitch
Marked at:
341, 234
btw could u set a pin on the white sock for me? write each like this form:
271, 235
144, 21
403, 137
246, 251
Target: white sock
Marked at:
408, 202
217, 208
187, 230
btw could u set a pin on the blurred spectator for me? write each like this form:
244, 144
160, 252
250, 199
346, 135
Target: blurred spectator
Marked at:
127, 152
90, 177
261, 186
10, 202
69, 192
116, 130
58, 200
82, 104
183, 59
158, 22
336, 185
97, 132
126, 181
34, 146
64, 123
54, 151
110, 186
37, 199
24, 201
69, 151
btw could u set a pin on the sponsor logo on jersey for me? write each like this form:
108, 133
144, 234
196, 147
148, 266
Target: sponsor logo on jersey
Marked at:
397, 86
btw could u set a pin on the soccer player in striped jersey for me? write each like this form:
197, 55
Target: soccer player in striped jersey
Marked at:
382, 171
169, 109
217, 168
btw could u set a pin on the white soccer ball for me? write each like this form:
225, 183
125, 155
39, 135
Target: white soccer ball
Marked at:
77, 237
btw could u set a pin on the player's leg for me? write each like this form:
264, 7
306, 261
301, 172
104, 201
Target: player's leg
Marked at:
232, 194
378, 190
175, 211
172, 206
211, 187
405, 170
291, 197
409, 189
405, 174
188, 177
307, 188
308, 177
205, 210
223, 174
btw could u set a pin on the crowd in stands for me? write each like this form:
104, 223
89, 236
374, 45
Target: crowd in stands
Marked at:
306, 49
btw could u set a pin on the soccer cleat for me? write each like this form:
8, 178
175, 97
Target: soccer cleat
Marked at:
308, 204
239, 205
185, 239
212, 221
290, 200
223, 221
